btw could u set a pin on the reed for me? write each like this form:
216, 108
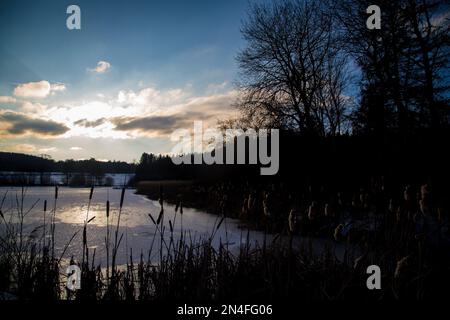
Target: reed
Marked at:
190, 268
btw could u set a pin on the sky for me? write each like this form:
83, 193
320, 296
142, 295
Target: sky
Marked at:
135, 72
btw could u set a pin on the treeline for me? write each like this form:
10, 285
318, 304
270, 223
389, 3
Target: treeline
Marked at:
344, 160
28, 163
161, 167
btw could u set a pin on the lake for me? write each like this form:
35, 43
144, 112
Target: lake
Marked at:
137, 227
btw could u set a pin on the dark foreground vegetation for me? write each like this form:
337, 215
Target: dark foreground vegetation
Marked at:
408, 237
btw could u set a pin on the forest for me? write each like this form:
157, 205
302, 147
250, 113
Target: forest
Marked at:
29, 163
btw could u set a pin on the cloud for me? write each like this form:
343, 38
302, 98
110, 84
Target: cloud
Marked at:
39, 89
101, 67
161, 125
156, 125
26, 148
6, 99
151, 97
217, 105
16, 124
57, 87
208, 109
34, 108
20, 148
147, 112
76, 148
89, 124
216, 88
49, 149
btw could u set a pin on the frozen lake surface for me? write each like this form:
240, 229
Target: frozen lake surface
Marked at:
137, 228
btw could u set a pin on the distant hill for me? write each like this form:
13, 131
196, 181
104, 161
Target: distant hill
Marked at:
24, 162
10, 161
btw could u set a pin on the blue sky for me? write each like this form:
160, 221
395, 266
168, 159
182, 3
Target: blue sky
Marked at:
154, 60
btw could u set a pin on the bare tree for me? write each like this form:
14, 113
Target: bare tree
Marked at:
292, 70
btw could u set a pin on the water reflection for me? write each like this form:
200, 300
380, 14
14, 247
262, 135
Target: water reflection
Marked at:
138, 229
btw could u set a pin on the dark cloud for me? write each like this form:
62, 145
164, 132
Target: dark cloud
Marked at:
158, 124
90, 124
18, 124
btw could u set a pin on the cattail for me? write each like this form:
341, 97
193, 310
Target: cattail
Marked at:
391, 206
354, 202
244, 208
266, 208
362, 196
312, 210
181, 208
327, 210
401, 266
407, 196
424, 191
440, 214
340, 201
249, 202
90, 194
107, 208
338, 232
56, 192
292, 220
358, 261
399, 214
171, 226
122, 196
84, 235
423, 206
161, 213
91, 219
45, 205
151, 217
1, 214
220, 223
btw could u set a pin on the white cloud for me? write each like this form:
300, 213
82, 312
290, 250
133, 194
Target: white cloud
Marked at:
33, 107
217, 87
38, 89
101, 67
6, 99
49, 149
128, 115
20, 148
57, 87
27, 148
76, 148
150, 100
